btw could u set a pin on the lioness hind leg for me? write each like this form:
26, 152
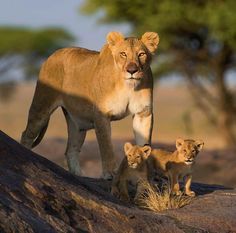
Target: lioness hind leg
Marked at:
74, 143
43, 105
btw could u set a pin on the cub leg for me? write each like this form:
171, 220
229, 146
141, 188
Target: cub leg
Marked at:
141, 186
123, 187
188, 191
74, 143
103, 133
115, 184
174, 184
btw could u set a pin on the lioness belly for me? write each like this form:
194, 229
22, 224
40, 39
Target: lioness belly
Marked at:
83, 124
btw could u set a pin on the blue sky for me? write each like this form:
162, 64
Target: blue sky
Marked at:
62, 13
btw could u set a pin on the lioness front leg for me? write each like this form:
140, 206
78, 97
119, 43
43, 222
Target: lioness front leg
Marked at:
188, 191
142, 127
103, 133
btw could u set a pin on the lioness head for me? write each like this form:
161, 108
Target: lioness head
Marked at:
132, 56
188, 149
136, 155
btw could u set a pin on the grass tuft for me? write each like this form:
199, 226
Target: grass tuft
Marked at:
160, 199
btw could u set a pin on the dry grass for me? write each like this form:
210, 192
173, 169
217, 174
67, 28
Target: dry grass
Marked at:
160, 199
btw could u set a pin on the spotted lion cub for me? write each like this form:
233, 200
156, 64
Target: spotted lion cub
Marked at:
178, 164
132, 168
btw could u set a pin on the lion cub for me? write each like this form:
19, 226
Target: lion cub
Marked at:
178, 164
132, 168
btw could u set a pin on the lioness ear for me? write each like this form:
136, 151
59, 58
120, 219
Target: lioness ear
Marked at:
151, 40
127, 147
114, 37
147, 151
179, 143
199, 144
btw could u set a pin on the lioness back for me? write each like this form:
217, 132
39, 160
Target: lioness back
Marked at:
64, 62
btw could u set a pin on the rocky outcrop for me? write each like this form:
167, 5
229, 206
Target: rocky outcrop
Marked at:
36, 195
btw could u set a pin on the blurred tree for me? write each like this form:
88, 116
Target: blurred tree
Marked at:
24, 49
197, 41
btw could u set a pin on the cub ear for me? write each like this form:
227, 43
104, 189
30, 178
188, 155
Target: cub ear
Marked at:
127, 147
179, 143
151, 40
113, 38
147, 151
199, 144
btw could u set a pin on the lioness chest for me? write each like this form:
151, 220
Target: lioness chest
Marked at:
120, 104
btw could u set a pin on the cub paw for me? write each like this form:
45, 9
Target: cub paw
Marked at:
124, 198
115, 191
191, 193
177, 193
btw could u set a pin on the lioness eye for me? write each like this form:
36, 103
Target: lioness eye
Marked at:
123, 54
141, 54
193, 151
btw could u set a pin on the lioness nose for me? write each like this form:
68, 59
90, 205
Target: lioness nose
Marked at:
132, 68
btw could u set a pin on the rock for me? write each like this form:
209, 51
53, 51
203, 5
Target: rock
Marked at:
37, 195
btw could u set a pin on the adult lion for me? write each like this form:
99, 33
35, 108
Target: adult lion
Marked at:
94, 88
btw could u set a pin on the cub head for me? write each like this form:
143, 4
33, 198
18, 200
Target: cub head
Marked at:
132, 55
188, 149
136, 155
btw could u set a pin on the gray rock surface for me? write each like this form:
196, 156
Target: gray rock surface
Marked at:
36, 195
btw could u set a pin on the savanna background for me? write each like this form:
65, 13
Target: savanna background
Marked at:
194, 71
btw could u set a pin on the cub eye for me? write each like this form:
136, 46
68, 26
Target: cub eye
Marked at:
141, 54
123, 54
185, 151
193, 151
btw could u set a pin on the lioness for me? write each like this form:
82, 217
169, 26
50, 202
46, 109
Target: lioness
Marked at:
132, 168
178, 164
94, 88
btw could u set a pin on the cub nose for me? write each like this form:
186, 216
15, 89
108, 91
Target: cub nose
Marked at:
132, 68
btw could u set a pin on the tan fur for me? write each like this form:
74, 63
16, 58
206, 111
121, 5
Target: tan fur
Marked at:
94, 88
133, 168
178, 164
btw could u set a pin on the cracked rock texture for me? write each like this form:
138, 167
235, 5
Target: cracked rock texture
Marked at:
37, 195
